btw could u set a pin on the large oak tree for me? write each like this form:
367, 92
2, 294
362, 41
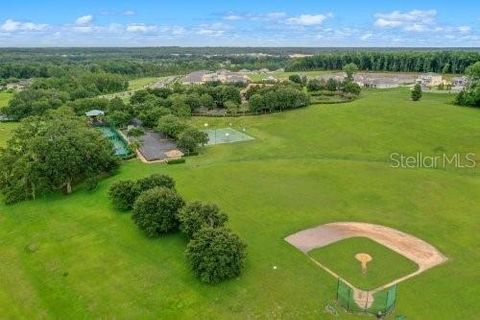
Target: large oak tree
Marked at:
52, 152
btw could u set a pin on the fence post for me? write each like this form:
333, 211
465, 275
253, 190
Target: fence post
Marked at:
386, 302
338, 286
366, 303
349, 297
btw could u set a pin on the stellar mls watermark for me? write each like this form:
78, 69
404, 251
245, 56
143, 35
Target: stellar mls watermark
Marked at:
420, 160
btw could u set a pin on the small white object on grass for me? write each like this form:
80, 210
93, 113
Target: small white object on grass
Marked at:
274, 267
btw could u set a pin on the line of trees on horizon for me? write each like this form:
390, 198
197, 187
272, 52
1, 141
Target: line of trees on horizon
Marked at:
394, 61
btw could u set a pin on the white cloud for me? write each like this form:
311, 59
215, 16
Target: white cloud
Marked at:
128, 13
173, 30
86, 29
17, 26
212, 30
307, 19
274, 16
415, 20
84, 20
233, 17
140, 27
366, 36
115, 28
464, 29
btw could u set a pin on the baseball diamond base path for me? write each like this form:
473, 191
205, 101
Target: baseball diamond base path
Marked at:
422, 253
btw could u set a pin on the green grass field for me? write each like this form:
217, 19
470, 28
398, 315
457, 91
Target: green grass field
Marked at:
139, 83
5, 127
4, 98
386, 265
77, 257
5, 131
282, 75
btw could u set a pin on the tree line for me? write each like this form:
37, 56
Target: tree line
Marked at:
395, 61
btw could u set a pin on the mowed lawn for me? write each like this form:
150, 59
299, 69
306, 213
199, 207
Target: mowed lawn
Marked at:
77, 257
386, 265
283, 75
4, 98
5, 127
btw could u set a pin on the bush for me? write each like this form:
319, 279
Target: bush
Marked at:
416, 92
171, 125
197, 215
91, 183
176, 161
314, 85
153, 181
123, 194
351, 87
190, 139
216, 254
155, 211
136, 132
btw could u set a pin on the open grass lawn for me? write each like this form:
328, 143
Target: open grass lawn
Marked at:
5, 127
5, 131
4, 98
282, 75
77, 257
139, 83
385, 266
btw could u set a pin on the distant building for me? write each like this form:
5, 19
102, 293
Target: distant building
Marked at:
224, 76
300, 55
195, 77
270, 79
18, 85
429, 79
459, 81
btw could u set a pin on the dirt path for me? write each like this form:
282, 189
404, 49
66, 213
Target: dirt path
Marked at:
422, 253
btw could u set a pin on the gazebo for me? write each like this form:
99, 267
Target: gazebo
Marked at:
94, 114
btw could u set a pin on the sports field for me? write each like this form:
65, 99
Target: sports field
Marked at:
384, 267
77, 257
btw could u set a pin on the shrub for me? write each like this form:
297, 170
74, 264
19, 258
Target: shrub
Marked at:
190, 139
314, 85
136, 132
176, 161
123, 194
153, 181
197, 215
170, 125
91, 183
416, 92
351, 87
155, 211
216, 254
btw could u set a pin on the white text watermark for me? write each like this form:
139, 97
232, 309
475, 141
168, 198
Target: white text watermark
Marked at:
421, 160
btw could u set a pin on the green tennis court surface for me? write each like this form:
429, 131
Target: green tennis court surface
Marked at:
226, 135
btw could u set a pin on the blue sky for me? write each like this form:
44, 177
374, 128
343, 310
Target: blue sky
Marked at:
239, 23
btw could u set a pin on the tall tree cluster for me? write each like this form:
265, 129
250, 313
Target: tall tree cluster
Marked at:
52, 152
394, 60
470, 96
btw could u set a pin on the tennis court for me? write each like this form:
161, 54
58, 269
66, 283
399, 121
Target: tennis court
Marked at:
226, 135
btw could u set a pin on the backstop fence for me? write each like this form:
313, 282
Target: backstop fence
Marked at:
371, 302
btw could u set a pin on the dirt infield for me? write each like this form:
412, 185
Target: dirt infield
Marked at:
422, 253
